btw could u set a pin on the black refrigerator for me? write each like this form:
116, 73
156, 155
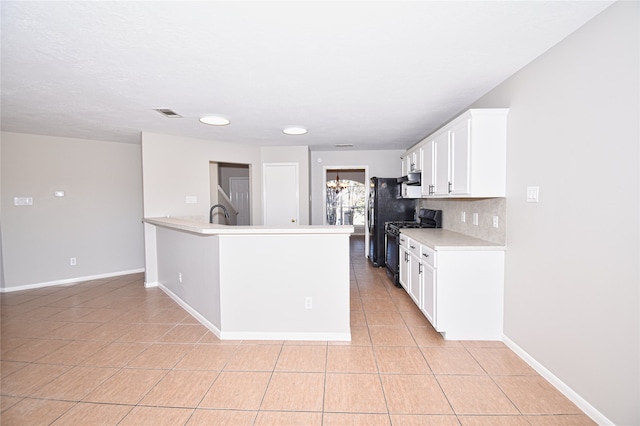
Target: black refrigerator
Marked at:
385, 205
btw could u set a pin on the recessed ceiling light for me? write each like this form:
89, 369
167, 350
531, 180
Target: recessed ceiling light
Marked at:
295, 130
214, 120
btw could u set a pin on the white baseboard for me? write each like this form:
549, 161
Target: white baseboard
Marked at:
573, 396
189, 309
69, 281
233, 335
242, 335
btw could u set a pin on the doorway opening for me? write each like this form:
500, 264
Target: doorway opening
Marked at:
346, 197
230, 186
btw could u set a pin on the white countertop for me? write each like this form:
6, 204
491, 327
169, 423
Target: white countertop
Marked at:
204, 228
443, 239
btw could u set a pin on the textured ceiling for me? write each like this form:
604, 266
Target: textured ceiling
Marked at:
379, 75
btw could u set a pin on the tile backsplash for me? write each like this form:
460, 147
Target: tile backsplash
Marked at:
486, 209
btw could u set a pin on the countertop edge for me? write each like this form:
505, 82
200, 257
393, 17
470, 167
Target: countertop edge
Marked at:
443, 239
216, 229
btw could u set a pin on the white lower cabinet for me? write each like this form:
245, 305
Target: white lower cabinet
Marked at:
403, 260
414, 287
428, 281
460, 291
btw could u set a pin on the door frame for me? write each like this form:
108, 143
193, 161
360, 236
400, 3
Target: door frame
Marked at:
366, 195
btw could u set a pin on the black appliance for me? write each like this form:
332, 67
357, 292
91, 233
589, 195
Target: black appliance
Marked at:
385, 205
426, 219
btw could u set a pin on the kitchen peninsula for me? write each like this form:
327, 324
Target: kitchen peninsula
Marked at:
255, 282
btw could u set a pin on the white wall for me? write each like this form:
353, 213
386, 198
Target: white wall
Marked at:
175, 167
385, 163
572, 274
98, 221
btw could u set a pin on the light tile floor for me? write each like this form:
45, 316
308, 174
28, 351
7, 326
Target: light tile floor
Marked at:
111, 352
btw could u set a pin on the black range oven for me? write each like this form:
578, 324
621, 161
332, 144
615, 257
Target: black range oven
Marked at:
426, 219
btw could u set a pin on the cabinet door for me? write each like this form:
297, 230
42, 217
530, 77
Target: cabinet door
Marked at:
441, 164
418, 159
403, 273
428, 307
459, 144
409, 163
428, 168
414, 287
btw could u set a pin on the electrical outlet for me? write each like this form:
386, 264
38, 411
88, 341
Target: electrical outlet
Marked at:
308, 303
495, 221
180, 277
73, 261
463, 217
475, 219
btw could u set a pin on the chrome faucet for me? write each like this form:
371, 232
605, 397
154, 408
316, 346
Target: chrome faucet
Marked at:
224, 209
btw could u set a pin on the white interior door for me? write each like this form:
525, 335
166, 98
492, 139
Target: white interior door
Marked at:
239, 188
281, 195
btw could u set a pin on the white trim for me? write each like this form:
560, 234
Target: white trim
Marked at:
191, 311
573, 396
69, 281
257, 335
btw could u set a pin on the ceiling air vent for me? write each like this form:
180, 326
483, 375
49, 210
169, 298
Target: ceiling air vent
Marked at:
168, 113
344, 145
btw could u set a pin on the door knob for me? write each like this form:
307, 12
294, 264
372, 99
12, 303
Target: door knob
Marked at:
293, 220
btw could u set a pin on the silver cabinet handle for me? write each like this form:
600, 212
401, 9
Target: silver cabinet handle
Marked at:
412, 247
449, 188
425, 255
419, 268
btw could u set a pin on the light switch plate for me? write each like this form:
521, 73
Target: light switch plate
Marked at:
23, 201
533, 194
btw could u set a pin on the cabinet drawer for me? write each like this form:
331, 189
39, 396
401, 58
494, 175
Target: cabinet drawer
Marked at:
427, 255
414, 247
404, 241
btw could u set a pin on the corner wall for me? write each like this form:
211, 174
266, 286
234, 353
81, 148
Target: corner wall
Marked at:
572, 261
175, 167
98, 221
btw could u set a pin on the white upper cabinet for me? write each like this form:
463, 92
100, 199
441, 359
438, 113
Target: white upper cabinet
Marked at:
460, 153
466, 157
441, 161
411, 161
428, 170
